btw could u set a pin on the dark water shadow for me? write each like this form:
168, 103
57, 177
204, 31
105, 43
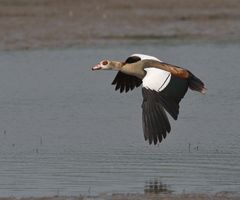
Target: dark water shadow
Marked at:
155, 186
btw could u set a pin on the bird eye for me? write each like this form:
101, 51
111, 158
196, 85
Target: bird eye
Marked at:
105, 62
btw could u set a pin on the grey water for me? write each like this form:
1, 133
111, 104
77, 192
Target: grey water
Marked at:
65, 131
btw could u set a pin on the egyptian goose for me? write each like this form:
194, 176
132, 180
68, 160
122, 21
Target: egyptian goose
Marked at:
163, 87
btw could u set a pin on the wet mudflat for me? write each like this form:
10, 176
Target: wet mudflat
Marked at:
65, 131
29, 24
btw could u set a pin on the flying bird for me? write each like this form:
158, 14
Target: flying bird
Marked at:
163, 87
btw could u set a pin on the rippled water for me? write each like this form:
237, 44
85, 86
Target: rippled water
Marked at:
65, 131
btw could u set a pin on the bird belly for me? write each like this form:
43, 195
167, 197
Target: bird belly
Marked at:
156, 79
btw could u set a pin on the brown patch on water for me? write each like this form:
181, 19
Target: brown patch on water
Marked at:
58, 23
217, 196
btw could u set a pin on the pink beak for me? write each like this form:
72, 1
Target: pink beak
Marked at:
97, 67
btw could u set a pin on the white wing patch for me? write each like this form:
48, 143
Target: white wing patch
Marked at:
156, 79
146, 57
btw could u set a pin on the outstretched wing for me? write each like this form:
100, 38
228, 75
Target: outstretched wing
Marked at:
154, 118
155, 121
126, 82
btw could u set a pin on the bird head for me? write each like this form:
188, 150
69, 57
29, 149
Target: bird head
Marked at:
108, 65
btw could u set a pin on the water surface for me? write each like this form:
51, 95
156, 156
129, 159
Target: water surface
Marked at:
64, 130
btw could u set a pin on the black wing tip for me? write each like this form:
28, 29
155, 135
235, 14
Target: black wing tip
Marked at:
121, 89
168, 103
125, 82
175, 117
114, 82
156, 125
156, 140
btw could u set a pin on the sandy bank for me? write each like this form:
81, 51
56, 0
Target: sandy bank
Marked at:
59, 23
217, 196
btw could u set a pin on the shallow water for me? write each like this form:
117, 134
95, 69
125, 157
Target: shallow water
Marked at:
65, 131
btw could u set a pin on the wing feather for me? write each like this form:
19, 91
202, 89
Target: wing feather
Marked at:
155, 121
126, 82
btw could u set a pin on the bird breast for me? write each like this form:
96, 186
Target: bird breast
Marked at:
134, 70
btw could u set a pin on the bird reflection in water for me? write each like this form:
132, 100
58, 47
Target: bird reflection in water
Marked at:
156, 187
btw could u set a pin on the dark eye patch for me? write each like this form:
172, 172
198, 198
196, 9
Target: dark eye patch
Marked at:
105, 62
132, 59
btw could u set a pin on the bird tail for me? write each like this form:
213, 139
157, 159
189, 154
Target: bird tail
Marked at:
196, 84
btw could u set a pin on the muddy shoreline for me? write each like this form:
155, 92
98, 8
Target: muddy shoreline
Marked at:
217, 196
27, 24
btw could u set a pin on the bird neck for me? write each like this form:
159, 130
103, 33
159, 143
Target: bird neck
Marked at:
133, 70
116, 65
